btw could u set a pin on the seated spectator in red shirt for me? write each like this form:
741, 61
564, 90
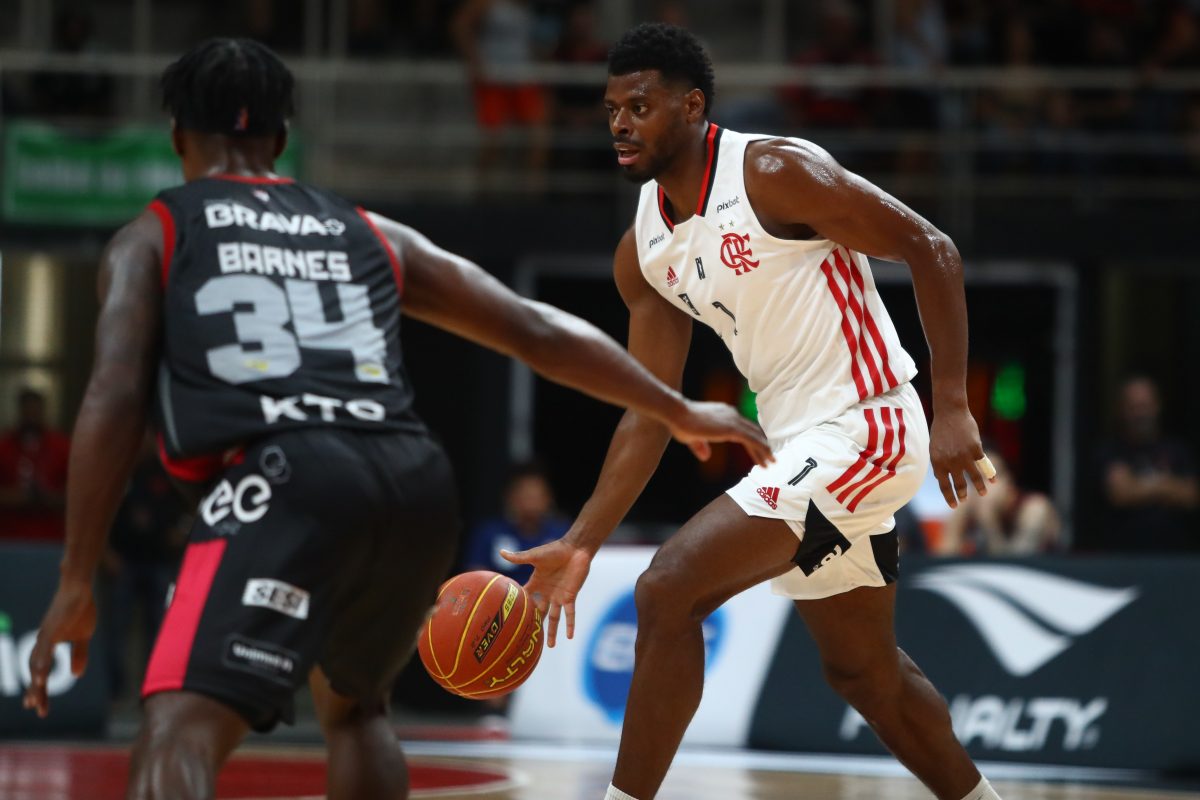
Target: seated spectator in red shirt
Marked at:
33, 474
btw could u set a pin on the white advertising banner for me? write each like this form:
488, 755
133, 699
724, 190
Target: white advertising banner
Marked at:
578, 692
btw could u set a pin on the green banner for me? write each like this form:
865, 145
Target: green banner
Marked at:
59, 177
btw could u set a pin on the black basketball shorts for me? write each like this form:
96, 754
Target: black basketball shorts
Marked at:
319, 547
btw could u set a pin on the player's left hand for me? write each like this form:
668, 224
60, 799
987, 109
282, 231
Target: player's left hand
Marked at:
954, 452
70, 618
704, 423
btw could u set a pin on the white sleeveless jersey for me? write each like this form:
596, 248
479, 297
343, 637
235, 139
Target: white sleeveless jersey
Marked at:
803, 319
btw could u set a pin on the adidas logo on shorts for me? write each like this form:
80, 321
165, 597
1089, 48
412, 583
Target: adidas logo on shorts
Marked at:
770, 495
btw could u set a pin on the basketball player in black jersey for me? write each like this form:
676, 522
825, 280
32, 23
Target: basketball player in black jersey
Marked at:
262, 317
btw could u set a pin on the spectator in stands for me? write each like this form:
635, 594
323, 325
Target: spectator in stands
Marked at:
1005, 522
73, 94
370, 29
1149, 480
33, 474
1010, 114
529, 520
147, 540
839, 42
578, 110
494, 36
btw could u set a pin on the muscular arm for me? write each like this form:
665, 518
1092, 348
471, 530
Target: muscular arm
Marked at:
108, 435
456, 295
112, 419
800, 188
659, 337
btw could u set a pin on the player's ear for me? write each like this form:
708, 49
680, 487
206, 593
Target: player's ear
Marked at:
695, 105
281, 140
176, 139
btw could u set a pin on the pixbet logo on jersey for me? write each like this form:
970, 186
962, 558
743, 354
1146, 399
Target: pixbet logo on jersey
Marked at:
736, 252
608, 669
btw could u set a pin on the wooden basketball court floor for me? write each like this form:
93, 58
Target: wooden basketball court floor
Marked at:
526, 771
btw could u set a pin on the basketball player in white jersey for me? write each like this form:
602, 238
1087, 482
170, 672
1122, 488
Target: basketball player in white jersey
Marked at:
765, 240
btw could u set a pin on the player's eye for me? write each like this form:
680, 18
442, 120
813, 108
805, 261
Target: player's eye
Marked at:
639, 108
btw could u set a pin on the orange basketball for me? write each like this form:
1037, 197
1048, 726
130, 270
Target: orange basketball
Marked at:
484, 636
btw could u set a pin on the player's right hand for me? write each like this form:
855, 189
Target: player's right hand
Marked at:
703, 423
559, 570
70, 618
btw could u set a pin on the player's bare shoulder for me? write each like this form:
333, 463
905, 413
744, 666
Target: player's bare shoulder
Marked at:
778, 163
786, 179
135, 251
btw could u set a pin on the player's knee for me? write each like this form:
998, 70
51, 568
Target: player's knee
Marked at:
864, 683
660, 596
172, 764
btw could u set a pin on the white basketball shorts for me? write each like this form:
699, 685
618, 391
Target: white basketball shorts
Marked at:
837, 485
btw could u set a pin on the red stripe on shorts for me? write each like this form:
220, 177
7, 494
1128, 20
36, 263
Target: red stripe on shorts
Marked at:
877, 463
890, 470
872, 439
169, 661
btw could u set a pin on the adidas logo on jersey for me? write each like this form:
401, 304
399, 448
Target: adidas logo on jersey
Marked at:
672, 278
770, 495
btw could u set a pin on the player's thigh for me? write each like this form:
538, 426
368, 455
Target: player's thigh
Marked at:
720, 552
854, 631
414, 539
264, 569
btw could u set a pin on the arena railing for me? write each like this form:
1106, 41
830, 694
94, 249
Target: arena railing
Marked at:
401, 129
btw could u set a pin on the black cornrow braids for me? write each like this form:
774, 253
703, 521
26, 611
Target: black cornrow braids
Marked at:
237, 87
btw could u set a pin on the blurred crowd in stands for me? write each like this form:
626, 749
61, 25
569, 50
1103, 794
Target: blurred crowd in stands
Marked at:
1027, 126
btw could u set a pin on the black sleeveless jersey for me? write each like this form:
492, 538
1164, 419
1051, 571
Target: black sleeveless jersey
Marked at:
281, 309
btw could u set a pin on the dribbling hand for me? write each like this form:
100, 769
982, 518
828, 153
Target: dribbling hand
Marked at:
559, 570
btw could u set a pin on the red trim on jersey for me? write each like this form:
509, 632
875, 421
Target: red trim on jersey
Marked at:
706, 184
168, 663
168, 232
877, 464
662, 210
889, 470
859, 311
847, 329
868, 451
261, 179
872, 328
198, 469
397, 269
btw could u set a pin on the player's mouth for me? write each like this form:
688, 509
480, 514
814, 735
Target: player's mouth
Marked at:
627, 154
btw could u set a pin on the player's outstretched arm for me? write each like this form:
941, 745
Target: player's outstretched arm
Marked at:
801, 186
456, 295
106, 439
659, 338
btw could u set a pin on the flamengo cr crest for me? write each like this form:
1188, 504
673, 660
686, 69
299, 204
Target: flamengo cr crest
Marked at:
736, 252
